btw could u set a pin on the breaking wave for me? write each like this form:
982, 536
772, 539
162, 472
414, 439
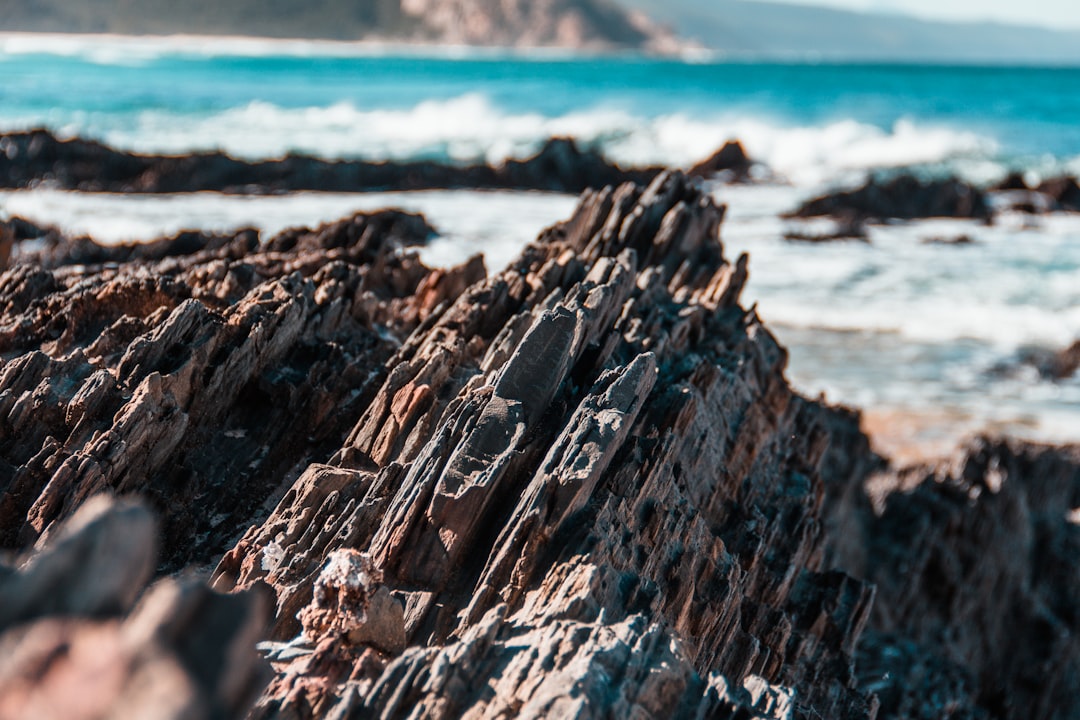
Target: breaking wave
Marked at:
471, 128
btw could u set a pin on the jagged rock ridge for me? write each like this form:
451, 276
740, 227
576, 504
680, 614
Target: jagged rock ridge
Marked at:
578, 486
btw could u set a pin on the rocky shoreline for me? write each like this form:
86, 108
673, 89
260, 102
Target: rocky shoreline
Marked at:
39, 159
581, 486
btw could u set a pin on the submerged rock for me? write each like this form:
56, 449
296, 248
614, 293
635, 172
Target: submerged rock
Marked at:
1052, 194
1054, 365
578, 487
845, 229
962, 240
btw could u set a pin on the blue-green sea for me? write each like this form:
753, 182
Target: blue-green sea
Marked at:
896, 325
261, 99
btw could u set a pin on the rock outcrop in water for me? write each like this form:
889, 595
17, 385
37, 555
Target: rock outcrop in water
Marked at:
1061, 194
730, 161
903, 197
1052, 364
38, 158
1064, 192
580, 486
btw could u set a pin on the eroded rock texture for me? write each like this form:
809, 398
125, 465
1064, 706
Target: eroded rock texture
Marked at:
580, 487
590, 490
202, 379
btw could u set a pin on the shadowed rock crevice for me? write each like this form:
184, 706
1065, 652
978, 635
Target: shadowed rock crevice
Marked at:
975, 564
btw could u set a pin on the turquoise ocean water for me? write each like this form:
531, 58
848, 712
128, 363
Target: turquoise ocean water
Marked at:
896, 325
260, 102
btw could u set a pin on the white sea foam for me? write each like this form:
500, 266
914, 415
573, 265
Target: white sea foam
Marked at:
471, 128
1015, 287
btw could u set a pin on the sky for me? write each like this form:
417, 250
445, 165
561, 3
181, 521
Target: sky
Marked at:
1059, 14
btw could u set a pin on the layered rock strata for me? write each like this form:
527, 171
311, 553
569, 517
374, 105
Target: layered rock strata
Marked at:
577, 487
587, 472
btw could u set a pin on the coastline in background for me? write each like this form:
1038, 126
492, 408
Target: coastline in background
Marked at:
895, 326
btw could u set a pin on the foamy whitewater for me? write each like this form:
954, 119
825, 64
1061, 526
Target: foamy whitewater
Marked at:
893, 326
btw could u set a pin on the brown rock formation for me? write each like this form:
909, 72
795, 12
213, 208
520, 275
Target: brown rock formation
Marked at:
201, 380
1011, 182
1064, 192
1066, 363
579, 487
581, 452
730, 160
1052, 194
38, 158
1054, 365
7, 242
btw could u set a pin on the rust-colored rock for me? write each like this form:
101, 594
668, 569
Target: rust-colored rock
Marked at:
581, 452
